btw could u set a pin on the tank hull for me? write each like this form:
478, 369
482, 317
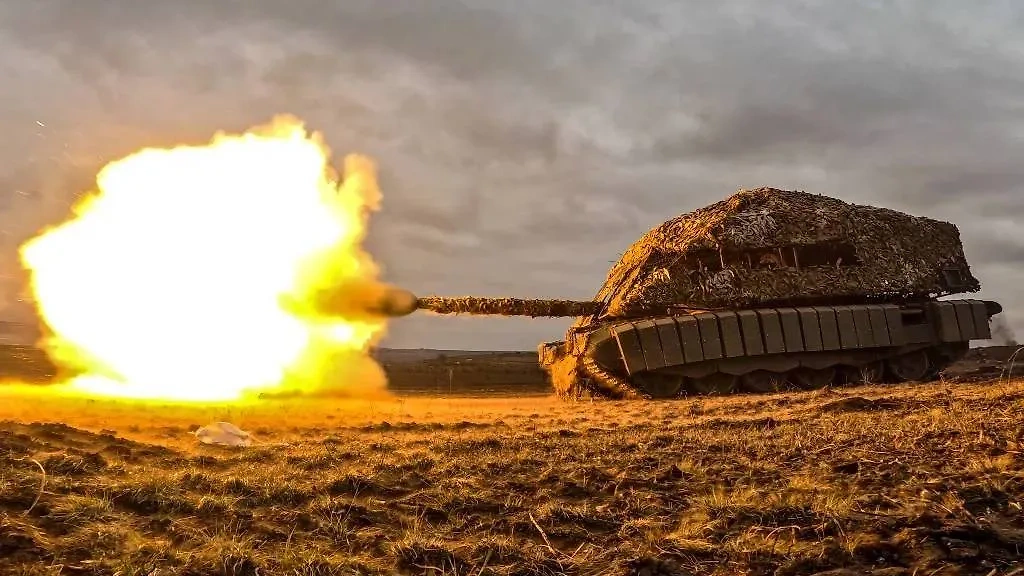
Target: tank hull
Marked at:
765, 349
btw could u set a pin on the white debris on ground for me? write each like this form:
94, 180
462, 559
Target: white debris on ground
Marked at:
224, 434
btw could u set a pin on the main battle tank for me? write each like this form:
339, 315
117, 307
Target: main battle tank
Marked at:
765, 290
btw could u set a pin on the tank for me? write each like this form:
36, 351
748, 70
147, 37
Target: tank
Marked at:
765, 290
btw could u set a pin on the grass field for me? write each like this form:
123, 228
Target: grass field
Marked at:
925, 479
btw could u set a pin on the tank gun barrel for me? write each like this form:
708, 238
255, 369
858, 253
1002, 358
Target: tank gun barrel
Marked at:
387, 300
531, 307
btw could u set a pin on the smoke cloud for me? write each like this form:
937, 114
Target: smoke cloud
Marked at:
1002, 332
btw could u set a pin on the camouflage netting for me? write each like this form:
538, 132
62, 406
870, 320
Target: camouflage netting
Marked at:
575, 377
742, 251
508, 306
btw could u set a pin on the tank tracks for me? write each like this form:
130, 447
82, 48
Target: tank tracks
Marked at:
770, 349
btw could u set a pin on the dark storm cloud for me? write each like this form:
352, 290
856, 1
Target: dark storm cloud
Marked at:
523, 146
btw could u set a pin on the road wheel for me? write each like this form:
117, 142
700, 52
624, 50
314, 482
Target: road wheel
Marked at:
716, 383
811, 379
763, 381
912, 367
659, 385
870, 373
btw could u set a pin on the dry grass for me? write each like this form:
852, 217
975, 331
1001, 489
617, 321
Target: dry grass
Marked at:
916, 480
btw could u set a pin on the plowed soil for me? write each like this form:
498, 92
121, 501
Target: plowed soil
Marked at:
922, 479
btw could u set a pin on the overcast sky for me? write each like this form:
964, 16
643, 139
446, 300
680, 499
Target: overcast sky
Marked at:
524, 145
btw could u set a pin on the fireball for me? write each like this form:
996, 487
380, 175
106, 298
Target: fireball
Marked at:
190, 272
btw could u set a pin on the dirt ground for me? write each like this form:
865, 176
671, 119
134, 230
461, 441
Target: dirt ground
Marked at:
924, 479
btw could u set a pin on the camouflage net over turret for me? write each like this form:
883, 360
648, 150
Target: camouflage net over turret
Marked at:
533, 308
745, 251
